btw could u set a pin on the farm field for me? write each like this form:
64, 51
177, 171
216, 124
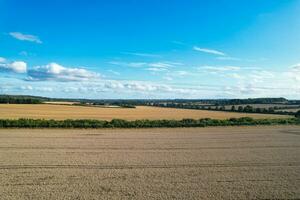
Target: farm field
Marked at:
61, 102
192, 163
46, 111
228, 107
290, 110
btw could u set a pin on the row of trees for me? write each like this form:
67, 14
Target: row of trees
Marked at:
135, 102
251, 109
252, 101
19, 100
118, 123
221, 102
234, 108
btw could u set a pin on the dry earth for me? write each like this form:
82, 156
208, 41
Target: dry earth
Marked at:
194, 163
38, 111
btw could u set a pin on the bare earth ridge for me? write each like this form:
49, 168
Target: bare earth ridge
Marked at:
191, 163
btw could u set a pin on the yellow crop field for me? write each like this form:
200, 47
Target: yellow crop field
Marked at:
47, 111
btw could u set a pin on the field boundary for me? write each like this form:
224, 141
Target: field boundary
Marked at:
120, 123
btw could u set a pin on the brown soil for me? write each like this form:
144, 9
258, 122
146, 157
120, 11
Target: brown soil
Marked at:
193, 163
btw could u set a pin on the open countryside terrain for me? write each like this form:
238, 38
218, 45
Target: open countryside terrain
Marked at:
228, 107
194, 163
61, 102
290, 110
46, 111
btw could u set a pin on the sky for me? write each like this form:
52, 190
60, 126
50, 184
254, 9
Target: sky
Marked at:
132, 49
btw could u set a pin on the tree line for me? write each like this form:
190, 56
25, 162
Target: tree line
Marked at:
121, 105
119, 123
135, 102
234, 108
297, 115
5, 99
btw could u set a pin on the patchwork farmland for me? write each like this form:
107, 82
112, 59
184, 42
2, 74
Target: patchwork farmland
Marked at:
46, 111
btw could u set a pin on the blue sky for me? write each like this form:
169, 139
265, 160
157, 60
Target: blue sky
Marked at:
150, 49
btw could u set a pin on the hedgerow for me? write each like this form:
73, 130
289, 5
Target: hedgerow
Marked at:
119, 123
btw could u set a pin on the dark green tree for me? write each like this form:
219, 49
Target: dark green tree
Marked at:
258, 110
232, 108
240, 109
271, 110
297, 114
248, 108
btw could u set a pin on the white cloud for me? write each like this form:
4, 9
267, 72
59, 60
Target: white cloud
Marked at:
136, 88
113, 72
26, 87
156, 69
24, 37
128, 64
294, 72
2, 60
216, 69
26, 53
142, 54
16, 66
262, 83
235, 82
228, 58
151, 87
296, 67
234, 75
181, 73
145, 64
44, 89
161, 65
54, 71
167, 78
174, 63
177, 74
149, 66
210, 51
261, 75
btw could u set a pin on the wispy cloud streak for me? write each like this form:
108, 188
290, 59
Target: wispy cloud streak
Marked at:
142, 54
24, 37
210, 51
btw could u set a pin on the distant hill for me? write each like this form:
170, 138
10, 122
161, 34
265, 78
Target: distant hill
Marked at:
27, 99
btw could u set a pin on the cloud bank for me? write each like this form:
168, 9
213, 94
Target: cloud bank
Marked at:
56, 72
16, 66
